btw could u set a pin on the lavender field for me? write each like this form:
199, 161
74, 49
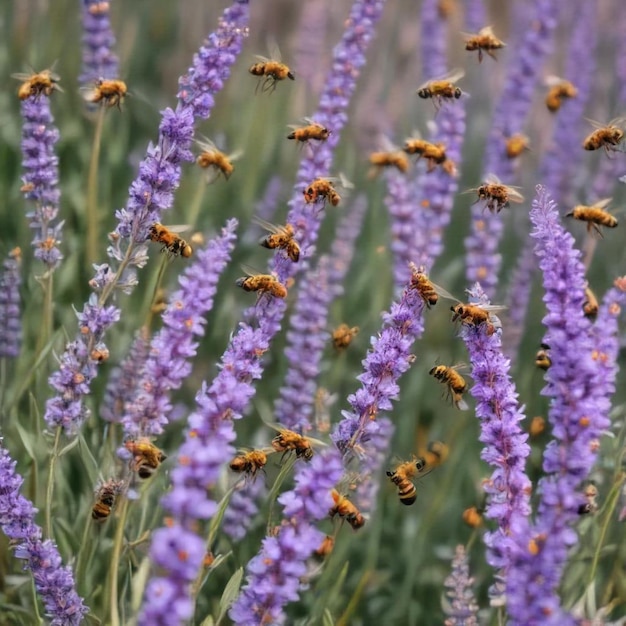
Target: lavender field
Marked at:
311, 313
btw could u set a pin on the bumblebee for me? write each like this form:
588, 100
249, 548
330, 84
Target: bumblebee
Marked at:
455, 383
37, 84
146, 456
106, 496
171, 242
262, 283
346, 509
484, 41
542, 358
402, 477
110, 93
595, 215
343, 336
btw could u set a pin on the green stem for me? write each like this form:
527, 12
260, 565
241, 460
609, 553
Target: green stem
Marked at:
157, 285
50, 488
92, 192
115, 565
196, 203
85, 547
45, 333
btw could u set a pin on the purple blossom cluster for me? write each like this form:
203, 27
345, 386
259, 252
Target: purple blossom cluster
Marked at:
54, 582
10, 310
462, 607
98, 40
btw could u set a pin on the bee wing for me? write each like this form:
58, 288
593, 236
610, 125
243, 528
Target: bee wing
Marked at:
233, 156
600, 204
486, 30
492, 179
386, 144
250, 271
599, 125
207, 145
344, 182
262, 58
273, 228
492, 308
179, 228
619, 122
514, 195
443, 293
280, 427
453, 75
552, 81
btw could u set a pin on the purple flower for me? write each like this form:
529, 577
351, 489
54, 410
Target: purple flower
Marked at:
41, 177
99, 60
462, 607
171, 350
434, 40
53, 581
475, 15
243, 506
10, 318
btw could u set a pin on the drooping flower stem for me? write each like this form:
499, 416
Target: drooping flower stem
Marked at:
93, 219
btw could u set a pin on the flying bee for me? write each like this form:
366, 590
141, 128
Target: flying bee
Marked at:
456, 385
428, 291
326, 547
542, 358
484, 41
392, 158
607, 136
495, 195
172, 243
214, 161
37, 84
288, 440
311, 131
272, 71
109, 92
262, 284
249, 462
590, 492
146, 456
347, 510
98, 8
590, 305
343, 336
281, 237
106, 496
476, 315
559, 90
402, 477
436, 453
516, 144
595, 215
473, 517
320, 190
434, 153
440, 89
537, 426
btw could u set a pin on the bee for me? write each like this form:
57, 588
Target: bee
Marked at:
537, 426
559, 90
607, 136
320, 190
442, 88
109, 92
312, 131
591, 505
98, 8
343, 336
146, 456
215, 161
445, 8
495, 195
326, 547
249, 462
37, 84
455, 382
323, 401
484, 41
281, 237
392, 158
476, 315
175, 245
287, 440
273, 71
516, 144
428, 291
542, 358
434, 153
262, 283
106, 495
346, 509
595, 215
436, 453
402, 476
590, 305
473, 517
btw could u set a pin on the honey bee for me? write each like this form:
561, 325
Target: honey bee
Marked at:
542, 358
476, 315
595, 215
393, 158
537, 426
607, 136
473, 517
273, 71
106, 495
287, 440
98, 8
175, 245
343, 336
312, 131
591, 505
495, 195
434, 153
262, 283
109, 92
249, 462
436, 453
440, 89
215, 161
445, 8
428, 291
320, 190
484, 41
516, 144
590, 305
326, 547
347, 510
455, 383
37, 84
559, 90
402, 476
146, 456
281, 237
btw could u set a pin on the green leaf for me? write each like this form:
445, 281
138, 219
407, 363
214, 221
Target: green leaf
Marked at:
327, 618
230, 593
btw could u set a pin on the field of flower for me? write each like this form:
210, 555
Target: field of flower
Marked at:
404, 407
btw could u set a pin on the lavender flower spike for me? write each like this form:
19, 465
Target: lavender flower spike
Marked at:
99, 60
462, 608
579, 417
53, 581
10, 319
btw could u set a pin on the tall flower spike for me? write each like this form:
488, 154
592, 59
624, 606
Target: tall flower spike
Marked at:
53, 581
151, 193
434, 40
579, 417
10, 317
462, 608
99, 60
483, 260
